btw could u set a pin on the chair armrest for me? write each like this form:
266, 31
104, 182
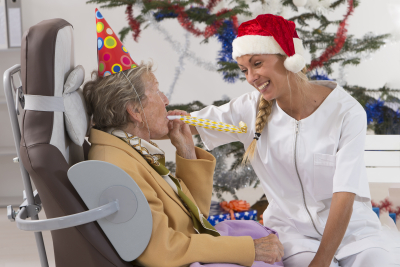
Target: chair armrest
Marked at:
65, 221
129, 230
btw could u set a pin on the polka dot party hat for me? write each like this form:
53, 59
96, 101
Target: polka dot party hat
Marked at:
112, 56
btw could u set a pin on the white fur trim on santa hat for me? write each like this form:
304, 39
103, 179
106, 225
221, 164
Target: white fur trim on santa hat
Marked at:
256, 44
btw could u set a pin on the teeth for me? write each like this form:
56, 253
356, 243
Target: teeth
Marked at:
263, 86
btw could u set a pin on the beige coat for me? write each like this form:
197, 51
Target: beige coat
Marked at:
174, 241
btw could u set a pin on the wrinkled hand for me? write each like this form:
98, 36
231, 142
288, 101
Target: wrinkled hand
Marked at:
180, 136
268, 249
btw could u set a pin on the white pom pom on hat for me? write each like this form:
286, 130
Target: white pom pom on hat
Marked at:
270, 34
294, 63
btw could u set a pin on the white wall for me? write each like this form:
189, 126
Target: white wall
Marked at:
195, 82
10, 176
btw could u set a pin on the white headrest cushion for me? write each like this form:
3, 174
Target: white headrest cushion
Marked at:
74, 80
76, 117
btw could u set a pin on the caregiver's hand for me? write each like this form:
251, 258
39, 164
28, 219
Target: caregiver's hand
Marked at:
180, 136
268, 249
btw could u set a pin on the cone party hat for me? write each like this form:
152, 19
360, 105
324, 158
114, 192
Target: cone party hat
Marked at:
112, 56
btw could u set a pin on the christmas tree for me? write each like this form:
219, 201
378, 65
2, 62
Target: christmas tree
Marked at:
327, 48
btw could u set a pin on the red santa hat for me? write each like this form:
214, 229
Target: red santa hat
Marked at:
270, 34
112, 55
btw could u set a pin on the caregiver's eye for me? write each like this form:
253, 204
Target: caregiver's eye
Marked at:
257, 63
243, 71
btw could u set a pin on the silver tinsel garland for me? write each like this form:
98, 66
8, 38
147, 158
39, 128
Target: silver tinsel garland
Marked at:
182, 50
276, 7
180, 67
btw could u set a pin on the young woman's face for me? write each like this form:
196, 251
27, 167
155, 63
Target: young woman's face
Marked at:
266, 73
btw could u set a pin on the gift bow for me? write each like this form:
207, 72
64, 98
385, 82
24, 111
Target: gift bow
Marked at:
235, 205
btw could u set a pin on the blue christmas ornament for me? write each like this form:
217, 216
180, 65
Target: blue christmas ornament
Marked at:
320, 76
374, 110
225, 54
159, 16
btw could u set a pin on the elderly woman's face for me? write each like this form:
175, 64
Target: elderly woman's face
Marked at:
154, 109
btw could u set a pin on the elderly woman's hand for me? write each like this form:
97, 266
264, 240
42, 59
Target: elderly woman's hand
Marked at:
180, 136
268, 249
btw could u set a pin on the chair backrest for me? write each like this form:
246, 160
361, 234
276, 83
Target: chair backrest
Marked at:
47, 152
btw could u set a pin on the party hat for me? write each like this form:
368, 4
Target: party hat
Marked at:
112, 56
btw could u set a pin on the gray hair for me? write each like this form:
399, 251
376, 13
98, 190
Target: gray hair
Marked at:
108, 97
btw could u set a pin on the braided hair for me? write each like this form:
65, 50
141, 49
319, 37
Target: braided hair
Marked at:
264, 110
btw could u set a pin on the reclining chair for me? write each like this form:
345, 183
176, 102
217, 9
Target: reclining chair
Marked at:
117, 228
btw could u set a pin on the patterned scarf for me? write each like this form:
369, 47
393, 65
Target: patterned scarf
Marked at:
156, 158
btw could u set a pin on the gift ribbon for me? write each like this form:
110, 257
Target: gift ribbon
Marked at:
209, 124
235, 205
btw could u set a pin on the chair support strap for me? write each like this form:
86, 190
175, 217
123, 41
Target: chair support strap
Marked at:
44, 103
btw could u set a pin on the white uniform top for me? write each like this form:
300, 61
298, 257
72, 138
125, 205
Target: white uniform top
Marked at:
306, 161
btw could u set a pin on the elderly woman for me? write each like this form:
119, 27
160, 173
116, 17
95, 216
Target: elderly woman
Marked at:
127, 111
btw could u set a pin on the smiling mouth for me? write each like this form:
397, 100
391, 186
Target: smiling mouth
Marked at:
263, 86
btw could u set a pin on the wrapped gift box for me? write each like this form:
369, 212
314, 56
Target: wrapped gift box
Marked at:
243, 215
393, 216
215, 209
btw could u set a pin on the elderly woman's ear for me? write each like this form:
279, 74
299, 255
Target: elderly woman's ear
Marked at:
134, 114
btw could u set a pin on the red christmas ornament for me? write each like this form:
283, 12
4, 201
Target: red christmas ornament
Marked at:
184, 20
386, 205
374, 204
133, 23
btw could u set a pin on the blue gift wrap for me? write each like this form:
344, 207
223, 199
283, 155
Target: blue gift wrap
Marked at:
376, 210
393, 216
243, 215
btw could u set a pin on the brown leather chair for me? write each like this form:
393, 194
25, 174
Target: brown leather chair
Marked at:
47, 152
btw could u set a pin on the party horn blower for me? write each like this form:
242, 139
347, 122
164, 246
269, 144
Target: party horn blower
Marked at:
209, 124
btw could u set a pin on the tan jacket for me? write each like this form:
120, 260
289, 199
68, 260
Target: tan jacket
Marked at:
174, 242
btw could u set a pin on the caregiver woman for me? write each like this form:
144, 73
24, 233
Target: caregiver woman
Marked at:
306, 146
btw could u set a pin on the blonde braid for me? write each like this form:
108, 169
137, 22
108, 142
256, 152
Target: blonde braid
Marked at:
264, 110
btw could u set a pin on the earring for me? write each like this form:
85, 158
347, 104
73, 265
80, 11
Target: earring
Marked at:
142, 126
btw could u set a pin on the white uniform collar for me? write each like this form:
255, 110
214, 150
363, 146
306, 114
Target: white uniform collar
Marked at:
330, 84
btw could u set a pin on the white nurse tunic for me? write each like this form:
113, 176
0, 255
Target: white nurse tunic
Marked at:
302, 163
